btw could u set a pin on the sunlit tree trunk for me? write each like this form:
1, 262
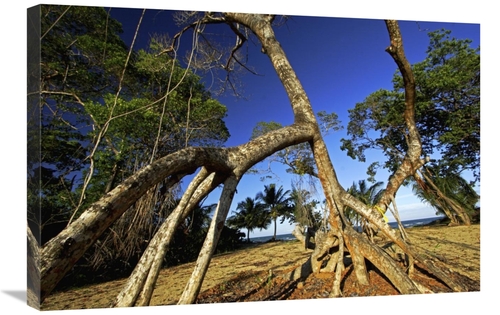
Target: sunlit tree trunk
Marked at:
447, 202
336, 196
62, 252
207, 186
194, 284
437, 200
33, 292
139, 287
196, 280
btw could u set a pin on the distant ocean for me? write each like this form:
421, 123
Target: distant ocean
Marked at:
290, 237
282, 237
416, 222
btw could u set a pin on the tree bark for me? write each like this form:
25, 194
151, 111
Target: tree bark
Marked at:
411, 161
143, 278
383, 262
261, 26
449, 203
63, 251
208, 185
194, 284
60, 254
358, 257
336, 196
275, 228
33, 264
379, 223
442, 204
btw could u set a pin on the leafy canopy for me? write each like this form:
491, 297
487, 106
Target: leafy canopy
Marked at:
108, 110
298, 158
447, 110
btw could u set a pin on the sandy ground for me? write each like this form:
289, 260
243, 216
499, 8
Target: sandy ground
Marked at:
458, 247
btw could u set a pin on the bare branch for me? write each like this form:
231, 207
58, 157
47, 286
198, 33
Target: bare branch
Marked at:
62, 14
104, 129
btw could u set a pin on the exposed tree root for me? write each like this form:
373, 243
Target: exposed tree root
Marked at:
229, 165
380, 257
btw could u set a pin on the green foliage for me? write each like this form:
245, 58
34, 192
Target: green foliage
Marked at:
380, 112
447, 110
74, 69
81, 50
451, 185
298, 158
277, 203
130, 118
251, 215
83, 58
263, 127
328, 121
369, 195
372, 171
229, 240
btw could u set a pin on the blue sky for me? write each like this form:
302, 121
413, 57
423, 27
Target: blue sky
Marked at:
338, 66
339, 61
13, 131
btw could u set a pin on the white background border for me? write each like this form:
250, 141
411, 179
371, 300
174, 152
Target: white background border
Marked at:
13, 148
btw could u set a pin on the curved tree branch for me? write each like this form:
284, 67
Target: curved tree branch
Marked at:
139, 287
411, 161
63, 251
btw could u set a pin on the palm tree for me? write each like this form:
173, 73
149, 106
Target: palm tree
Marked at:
251, 214
350, 214
368, 195
448, 192
276, 202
